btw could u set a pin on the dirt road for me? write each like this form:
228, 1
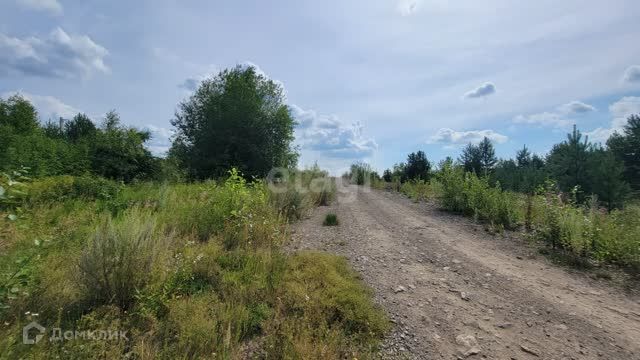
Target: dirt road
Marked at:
454, 291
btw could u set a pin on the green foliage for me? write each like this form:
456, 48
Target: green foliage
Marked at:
188, 269
524, 175
360, 173
588, 232
418, 167
118, 259
480, 158
474, 196
76, 147
331, 219
324, 311
577, 164
294, 195
236, 119
625, 147
417, 190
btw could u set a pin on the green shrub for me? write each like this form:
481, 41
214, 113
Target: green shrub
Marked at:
468, 194
58, 188
119, 258
330, 220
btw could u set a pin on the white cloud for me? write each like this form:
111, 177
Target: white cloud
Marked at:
451, 137
327, 135
59, 54
48, 107
483, 90
160, 139
576, 107
620, 111
632, 74
559, 118
543, 119
50, 6
408, 7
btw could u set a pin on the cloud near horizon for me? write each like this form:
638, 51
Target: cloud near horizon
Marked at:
558, 118
620, 111
450, 137
48, 107
326, 134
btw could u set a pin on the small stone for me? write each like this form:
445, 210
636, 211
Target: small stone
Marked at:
529, 351
464, 296
399, 289
505, 325
469, 345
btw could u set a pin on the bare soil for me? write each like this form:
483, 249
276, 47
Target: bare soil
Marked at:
454, 291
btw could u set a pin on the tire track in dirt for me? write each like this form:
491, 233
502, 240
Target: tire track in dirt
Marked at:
454, 291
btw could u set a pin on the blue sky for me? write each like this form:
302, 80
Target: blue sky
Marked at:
367, 80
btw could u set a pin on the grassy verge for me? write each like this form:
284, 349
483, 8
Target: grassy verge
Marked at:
586, 232
187, 270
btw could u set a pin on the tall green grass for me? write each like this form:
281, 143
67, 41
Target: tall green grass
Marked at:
189, 270
588, 232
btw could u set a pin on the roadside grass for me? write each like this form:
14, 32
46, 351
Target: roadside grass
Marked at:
331, 219
188, 270
578, 234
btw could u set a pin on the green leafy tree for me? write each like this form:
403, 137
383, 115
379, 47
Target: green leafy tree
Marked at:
387, 175
119, 152
18, 114
79, 128
236, 119
626, 147
418, 166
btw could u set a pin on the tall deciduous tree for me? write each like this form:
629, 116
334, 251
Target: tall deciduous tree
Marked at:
235, 119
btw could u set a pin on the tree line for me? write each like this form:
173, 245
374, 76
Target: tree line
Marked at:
237, 118
575, 166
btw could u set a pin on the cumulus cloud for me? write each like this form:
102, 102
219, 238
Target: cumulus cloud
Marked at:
576, 107
620, 111
50, 6
48, 107
451, 137
408, 7
632, 74
483, 90
327, 135
559, 118
59, 55
160, 141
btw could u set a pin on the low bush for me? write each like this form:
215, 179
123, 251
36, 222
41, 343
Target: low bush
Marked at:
119, 259
330, 220
468, 194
